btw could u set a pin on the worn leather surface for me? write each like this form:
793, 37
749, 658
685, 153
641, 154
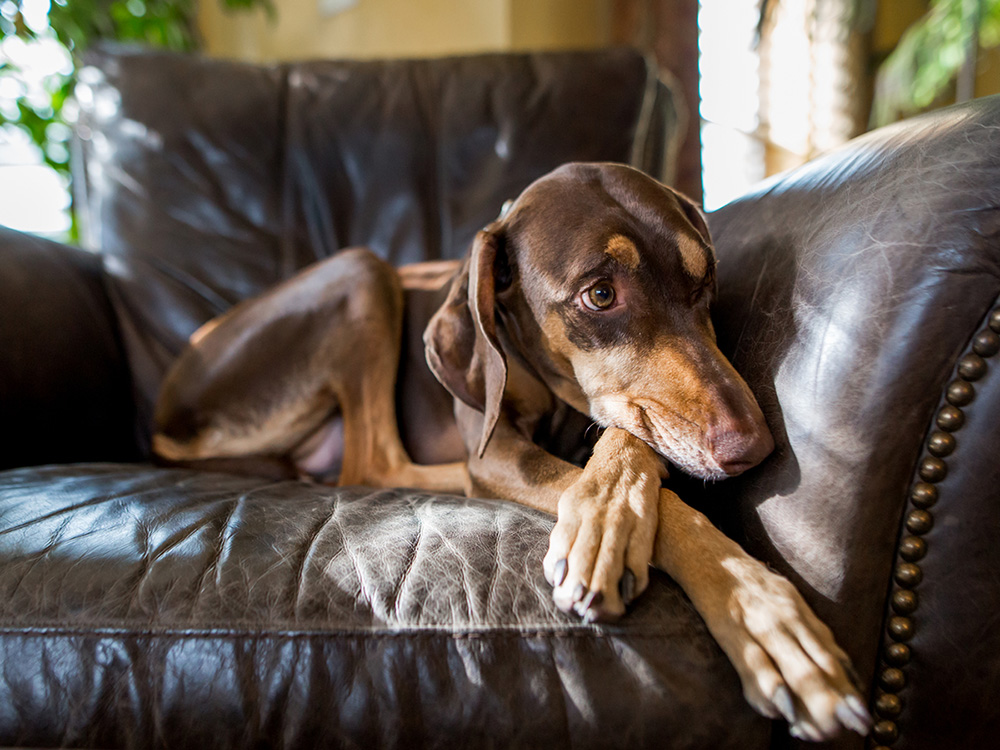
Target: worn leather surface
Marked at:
206, 182
848, 289
65, 392
148, 607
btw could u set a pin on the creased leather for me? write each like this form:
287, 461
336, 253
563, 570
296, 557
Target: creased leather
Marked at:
173, 608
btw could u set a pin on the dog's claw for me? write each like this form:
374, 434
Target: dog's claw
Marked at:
626, 587
805, 732
589, 609
579, 592
588, 606
853, 714
559, 572
782, 700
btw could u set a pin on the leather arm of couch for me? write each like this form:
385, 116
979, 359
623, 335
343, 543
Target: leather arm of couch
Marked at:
859, 297
65, 392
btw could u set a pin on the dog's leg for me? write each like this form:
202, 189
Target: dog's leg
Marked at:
305, 372
601, 547
786, 658
374, 453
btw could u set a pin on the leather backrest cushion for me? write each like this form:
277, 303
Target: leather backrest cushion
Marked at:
204, 182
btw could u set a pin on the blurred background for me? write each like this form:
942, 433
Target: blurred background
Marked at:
766, 84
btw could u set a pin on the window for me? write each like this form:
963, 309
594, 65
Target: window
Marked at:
777, 91
33, 196
728, 65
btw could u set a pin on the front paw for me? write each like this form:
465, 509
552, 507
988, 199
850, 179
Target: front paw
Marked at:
787, 659
601, 546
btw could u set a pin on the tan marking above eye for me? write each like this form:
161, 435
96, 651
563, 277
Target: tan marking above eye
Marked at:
622, 249
693, 257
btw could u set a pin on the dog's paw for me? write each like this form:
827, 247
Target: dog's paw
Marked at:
787, 659
601, 546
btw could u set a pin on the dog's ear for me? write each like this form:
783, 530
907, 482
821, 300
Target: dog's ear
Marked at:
461, 342
695, 216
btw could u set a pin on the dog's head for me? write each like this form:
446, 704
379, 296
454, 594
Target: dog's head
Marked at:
599, 279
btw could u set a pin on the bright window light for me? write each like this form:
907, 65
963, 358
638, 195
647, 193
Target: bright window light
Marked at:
33, 196
732, 155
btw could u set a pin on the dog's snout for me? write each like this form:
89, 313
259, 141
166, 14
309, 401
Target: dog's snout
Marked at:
737, 447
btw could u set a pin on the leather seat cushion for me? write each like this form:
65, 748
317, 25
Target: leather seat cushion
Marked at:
175, 607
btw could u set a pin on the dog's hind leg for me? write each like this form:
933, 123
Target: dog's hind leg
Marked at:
305, 372
374, 454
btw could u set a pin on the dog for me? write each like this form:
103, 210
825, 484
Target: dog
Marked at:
589, 295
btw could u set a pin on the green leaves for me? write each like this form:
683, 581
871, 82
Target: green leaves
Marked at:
928, 57
159, 23
35, 102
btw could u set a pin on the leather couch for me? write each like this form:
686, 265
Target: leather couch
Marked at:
147, 606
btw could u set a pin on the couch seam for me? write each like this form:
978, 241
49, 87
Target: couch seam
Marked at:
597, 633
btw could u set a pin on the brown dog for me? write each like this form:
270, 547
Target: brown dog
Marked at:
589, 296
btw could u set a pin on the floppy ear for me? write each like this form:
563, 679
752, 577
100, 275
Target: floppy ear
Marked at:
694, 215
461, 343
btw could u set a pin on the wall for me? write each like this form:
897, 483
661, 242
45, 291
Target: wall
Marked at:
403, 28
669, 30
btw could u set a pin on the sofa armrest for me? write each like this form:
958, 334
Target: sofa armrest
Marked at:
851, 290
65, 392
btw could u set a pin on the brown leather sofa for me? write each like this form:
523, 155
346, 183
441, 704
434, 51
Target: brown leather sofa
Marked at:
144, 606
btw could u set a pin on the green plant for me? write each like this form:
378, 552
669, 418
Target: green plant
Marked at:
934, 51
33, 98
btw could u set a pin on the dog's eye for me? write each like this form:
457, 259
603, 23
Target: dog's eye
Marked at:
601, 296
707, 283
698, 293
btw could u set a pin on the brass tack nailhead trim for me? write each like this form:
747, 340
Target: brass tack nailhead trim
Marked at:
892, 679
933, 469
972, 366
923, 495
900, 628
904, 601
986, 343
950, 418
919, 521
897, 654
912, 548
908, 575
960, 393
941, 444
886, 731
888, 705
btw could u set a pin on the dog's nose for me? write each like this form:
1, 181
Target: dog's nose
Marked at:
737, 448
